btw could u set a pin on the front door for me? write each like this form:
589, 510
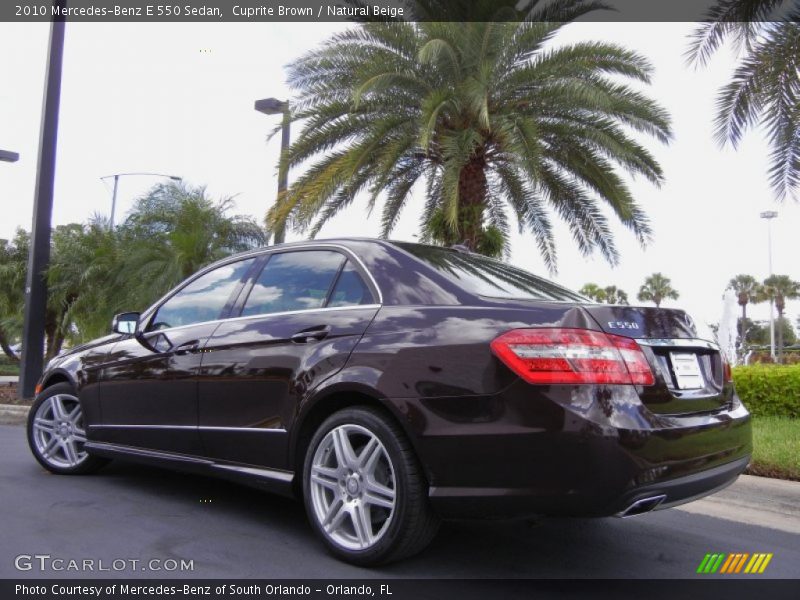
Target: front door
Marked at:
148, 387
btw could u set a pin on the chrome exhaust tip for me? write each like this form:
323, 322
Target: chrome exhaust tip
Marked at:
642, 506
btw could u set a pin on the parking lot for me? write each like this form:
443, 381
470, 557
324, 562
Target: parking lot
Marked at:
140, 514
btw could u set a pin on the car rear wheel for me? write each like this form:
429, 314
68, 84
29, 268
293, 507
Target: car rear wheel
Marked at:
57, 434
364, 490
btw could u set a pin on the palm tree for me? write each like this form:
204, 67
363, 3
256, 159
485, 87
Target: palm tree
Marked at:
765, 88
89, 278
778, 289
483, 117
614, 295
747, 290
13, 266
656, 289
610, 294
593, 292
175, 230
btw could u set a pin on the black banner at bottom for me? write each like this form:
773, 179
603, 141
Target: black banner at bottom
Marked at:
395, 589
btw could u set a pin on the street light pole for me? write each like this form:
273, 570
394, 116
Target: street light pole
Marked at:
113, 202
769, 215
116, 177
33, 330
273, 106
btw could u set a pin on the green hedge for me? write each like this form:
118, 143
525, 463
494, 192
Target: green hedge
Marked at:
769, 390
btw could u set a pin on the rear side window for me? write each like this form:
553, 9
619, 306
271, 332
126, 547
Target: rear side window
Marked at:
203, 299
350, 289
293, 281
488, 277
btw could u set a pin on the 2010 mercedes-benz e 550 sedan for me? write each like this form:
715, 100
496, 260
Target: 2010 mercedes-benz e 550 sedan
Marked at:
393, 384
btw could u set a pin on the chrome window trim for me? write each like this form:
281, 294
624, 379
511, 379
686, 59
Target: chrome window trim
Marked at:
349, 254
262, 315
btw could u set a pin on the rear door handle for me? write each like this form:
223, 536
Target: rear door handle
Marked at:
188, 347
312, 334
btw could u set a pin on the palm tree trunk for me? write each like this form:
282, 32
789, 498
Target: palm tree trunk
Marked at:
55, 344
50, 331
472, 191
780, 335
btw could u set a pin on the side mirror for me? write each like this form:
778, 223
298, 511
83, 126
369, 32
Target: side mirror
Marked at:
126, 323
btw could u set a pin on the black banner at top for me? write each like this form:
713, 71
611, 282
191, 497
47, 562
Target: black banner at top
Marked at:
274, 11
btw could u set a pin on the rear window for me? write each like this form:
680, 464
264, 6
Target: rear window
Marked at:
488, 277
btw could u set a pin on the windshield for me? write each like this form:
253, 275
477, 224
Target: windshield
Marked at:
488, 277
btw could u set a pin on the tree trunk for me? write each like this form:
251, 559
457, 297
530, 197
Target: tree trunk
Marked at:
56, 344
472, 191
6, 346
50, 331
780, 304
743, 327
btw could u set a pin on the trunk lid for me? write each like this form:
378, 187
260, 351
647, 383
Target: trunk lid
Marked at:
689, 371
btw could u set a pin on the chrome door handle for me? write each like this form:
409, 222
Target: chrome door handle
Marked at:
187, 347
312, 334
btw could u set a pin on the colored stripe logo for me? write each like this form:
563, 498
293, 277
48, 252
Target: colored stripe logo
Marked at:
741, 562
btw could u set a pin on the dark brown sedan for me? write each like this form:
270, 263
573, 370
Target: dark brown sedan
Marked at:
391, 385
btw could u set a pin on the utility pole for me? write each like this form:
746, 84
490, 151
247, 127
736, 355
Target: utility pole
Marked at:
39, 255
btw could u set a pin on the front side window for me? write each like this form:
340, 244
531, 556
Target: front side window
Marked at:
203, 299
294, 281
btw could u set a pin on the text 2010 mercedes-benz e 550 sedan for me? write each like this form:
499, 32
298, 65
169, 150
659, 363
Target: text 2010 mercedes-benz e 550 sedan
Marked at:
393, 384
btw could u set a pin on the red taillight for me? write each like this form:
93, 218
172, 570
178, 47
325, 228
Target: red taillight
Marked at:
727, 375
552, 356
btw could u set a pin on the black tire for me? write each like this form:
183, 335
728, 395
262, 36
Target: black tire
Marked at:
411, 525
59, 460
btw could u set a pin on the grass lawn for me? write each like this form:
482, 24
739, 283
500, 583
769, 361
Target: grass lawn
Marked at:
776, 447
9, 370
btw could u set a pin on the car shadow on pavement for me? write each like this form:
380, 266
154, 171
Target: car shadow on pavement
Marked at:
549, 548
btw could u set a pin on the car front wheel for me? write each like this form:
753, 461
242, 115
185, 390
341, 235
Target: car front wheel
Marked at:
57, 434
364, 490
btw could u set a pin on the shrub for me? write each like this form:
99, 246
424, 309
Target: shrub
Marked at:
769, 390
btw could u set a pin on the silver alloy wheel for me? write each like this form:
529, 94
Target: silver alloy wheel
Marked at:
58, 431
353, 490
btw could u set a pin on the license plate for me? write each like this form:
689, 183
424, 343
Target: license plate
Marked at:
687, 370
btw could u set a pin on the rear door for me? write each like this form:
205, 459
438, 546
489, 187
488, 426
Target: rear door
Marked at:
148, 387
298, 321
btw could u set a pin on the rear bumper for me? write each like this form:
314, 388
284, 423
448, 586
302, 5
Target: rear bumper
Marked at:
520, 456
481, 503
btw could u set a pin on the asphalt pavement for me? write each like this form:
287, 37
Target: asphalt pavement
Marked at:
134, 513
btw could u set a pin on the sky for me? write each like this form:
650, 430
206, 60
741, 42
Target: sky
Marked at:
178, 99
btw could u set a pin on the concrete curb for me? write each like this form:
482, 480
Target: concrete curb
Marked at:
13, 414
773, 503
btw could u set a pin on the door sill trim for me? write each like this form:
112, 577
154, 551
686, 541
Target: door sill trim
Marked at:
277, 476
